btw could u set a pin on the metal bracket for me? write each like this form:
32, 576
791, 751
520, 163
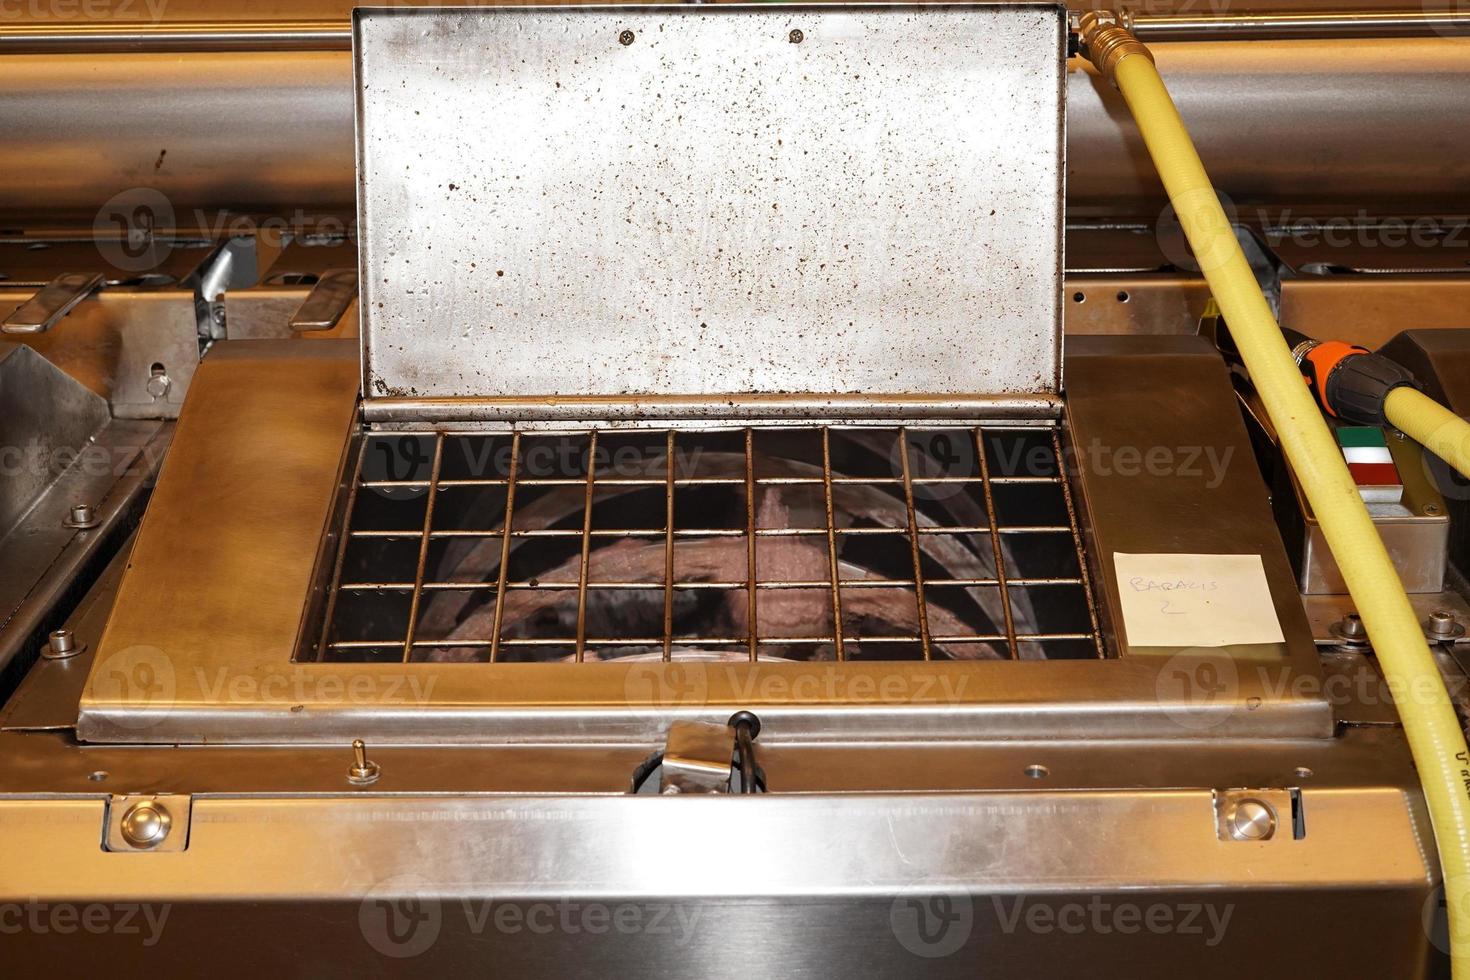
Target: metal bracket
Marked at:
698, 758
55, 300
147, 822
328, 300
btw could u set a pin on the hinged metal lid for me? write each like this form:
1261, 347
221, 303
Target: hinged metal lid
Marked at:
607, 203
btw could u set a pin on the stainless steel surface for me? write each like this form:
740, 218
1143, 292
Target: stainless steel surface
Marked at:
58, 298
46, 420
99, 136
1416, 531
1283, 124
288, 147
229, 662
113, 341
813, 235
748, 543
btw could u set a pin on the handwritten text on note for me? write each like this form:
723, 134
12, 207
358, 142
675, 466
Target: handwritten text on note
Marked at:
1195, 600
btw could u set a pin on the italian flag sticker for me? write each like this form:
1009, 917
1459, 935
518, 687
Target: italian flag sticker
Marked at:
1366, 451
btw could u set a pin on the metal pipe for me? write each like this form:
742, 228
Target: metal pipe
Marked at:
51, 38
1332, 25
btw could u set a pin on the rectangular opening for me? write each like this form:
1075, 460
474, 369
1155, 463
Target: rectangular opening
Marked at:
799, 543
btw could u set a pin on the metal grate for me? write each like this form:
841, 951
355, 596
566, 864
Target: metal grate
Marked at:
770, 543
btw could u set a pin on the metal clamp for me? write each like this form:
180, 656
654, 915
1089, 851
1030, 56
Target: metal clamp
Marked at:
698, 757
334, 292
55, 300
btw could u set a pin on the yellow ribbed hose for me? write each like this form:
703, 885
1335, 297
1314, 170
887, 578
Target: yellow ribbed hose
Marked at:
1431, 425
1434, 734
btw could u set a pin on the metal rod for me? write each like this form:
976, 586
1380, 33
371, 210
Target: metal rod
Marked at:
1346, 24
1000, 561
669, 548
832, 543
1056, 445
331, 610
586, 546
958, 639
750, 576
180, 36
510, 507
418, 575
913, 519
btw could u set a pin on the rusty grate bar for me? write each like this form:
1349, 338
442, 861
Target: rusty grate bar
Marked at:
500, 579
1056, 444
913, 522
995, 542
419, 567
925, 541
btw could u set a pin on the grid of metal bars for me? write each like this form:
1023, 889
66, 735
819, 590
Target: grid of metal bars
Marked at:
407, 474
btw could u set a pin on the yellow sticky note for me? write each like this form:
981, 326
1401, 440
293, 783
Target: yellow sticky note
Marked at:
1195, 600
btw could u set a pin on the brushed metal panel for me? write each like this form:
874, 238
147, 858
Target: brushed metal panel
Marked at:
711, 208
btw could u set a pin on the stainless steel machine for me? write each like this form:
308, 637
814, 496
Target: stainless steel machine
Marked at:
725, 490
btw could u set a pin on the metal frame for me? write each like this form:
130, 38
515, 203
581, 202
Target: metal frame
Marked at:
237, 579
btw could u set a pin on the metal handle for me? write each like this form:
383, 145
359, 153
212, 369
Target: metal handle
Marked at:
333, 293
55, 300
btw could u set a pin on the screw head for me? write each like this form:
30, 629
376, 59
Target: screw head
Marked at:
625, 38
796, 37
159, 385
145, 824
1251, 820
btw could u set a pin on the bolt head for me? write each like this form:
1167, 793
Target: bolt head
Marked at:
82, 516
61, 644
145, 824
1251, 820
159, 385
